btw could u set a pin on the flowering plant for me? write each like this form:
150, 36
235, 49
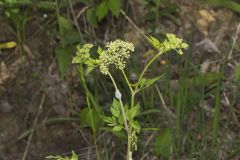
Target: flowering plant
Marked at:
114, 57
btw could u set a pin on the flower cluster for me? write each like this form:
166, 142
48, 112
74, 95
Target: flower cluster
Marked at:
175, 43
116, 54
82, 53
172, 42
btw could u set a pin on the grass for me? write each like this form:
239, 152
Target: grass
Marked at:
186, 101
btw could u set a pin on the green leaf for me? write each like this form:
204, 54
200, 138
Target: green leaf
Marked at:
237, 74
136, 126
157, 2
64, 25
155, 42
86, 120
163, 144
102, 10
114, 6
46, 4
64, 59
110, 120
115, 111
235, 6
134, 111
120, 120
117, 128
74, 156
91, 17
144, 83
100, 50
86, 2
116, 108
70, 38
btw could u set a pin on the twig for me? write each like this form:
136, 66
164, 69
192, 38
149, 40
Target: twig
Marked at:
134, 25
234, 42
34, 126
75, 19
163, 102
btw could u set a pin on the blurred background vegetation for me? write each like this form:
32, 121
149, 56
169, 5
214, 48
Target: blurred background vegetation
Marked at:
193, 112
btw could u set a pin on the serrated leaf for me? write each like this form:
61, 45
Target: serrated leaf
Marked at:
134, 111
91, 17
155, 42
120, 120
64, 59
117, 128
111, 120
114, 6
64, 25
144, 83
102, 10
136, 126
116, 108
115, 111
86, 120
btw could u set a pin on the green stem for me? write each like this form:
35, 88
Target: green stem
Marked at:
120, 100
127, 127
89, 97
148, 65
130, 88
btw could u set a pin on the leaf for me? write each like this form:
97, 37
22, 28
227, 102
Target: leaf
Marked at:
136, 126
144, 83
134, 111
163, 143
120, 120
110, 120
102, 10
91, 17
86, 2
157, 2
114, 6
64, 25
100, 50
7, 45
64, 59
235, 6
117, 128
71, 37
116, 108
74, 156
45, 4
237, 74
86, 120
155, 42
115, 111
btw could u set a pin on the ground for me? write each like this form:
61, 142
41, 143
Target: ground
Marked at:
39, 110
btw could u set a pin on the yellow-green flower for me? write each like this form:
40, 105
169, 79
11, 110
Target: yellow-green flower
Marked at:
82, 53
171, 43
115, 55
